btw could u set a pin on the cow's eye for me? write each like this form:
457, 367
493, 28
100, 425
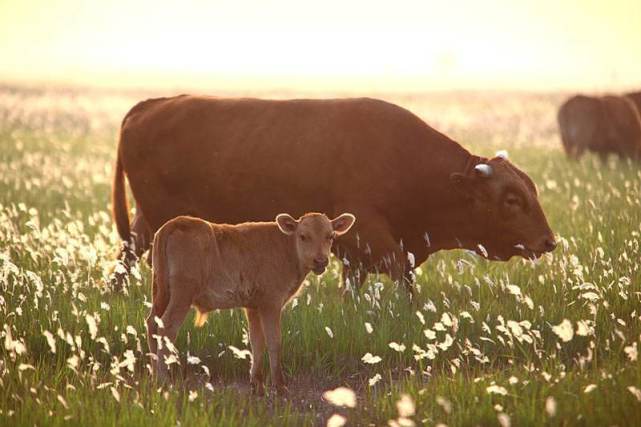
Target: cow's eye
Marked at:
512, 201
303, 237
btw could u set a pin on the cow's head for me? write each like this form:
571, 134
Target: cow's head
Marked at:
314, 234
507, 216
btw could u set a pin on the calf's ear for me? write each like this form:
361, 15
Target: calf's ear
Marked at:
342, 223
286, 223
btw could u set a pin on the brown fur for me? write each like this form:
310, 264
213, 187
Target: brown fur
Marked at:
258, 266
604, 125
636, 98
236, 160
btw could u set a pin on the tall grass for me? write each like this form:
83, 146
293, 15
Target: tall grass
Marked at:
523, 343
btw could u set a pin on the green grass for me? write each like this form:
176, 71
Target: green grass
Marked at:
57, 246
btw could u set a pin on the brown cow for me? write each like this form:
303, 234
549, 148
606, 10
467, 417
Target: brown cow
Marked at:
636, 98
604, 125
413, 189
259, 266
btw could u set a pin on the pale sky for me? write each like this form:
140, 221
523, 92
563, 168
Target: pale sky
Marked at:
324, 44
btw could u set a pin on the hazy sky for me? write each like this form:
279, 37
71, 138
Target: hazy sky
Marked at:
325, 44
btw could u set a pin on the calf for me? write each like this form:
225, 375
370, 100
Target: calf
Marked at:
258, 266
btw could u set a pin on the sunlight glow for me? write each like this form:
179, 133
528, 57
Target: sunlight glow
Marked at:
288, 44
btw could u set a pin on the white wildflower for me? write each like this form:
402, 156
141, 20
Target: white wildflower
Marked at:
93, 327
115, 394
496, 389
371, 359
405, 406
50, 340
341, 396
193, 360
635, 392
550, 406
368, 327
397, 347
375, 379
504, 420
239, 354
564, 330
336, 420
631, 352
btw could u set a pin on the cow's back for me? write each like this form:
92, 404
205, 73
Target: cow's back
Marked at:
636, 99
235, 160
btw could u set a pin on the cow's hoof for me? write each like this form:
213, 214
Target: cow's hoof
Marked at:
257, 389
281, 390
117, 282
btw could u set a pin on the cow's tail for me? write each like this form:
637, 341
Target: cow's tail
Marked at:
564, 129
573, 136
120, 208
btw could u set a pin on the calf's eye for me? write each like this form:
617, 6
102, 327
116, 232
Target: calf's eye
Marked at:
303, 237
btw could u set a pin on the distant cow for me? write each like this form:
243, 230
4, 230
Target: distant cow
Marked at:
259, 266
604, 125
636, 98
414, 190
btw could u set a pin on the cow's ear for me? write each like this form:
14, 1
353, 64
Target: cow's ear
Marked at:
468, 186
342, 223
286, 223
462, 183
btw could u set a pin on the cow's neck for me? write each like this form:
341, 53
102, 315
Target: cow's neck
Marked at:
447, 220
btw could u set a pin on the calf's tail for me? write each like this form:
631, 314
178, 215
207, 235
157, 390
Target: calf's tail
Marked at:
200, 318
160, 281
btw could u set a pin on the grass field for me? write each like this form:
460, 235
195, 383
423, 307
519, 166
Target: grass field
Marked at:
519, 343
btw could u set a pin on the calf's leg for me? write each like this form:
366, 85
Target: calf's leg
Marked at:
257, 339
159, 302
172, 319
270, 319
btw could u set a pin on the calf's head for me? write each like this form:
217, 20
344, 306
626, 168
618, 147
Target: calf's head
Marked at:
314, 234
506, 215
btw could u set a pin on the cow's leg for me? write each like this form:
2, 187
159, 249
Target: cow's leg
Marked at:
257, 339
355, 275
126, 258
172, 319
133, 249
141, 235
396, 266
374, 244
270, 319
